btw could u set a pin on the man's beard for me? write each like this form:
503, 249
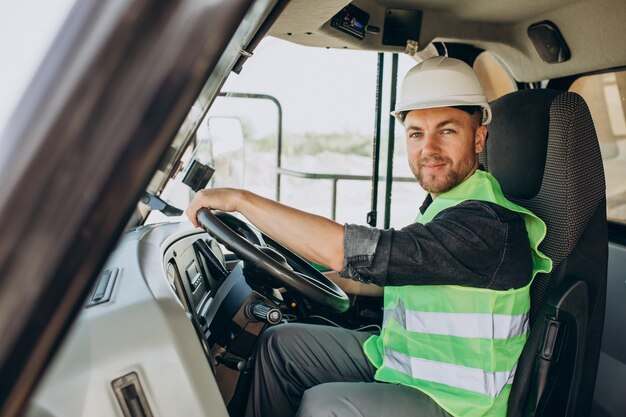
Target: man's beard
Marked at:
440, 183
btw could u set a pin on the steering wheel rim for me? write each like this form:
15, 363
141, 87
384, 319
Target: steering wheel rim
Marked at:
308, 282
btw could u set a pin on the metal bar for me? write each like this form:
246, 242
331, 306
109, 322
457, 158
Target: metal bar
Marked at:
372, 215
260, 34
335, 178
323, 176
333, 209
392, 132
279, 148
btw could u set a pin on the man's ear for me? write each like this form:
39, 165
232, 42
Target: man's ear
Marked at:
480, 138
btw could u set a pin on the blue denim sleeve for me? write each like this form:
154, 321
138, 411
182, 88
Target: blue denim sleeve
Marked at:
359, 246
474, 244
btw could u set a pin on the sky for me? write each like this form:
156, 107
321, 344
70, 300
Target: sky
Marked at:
27, 28
338, 86
310, 81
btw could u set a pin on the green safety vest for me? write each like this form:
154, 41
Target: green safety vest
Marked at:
459, 345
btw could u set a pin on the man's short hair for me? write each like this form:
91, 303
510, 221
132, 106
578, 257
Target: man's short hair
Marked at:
469, 109
476, 111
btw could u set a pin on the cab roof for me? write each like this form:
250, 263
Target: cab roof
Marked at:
592, 29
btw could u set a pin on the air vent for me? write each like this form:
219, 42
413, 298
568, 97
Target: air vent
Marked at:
103, 288
130, 396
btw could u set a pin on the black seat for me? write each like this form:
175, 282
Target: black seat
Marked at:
542, 147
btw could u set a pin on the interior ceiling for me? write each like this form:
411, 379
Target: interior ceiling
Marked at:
492, 11
594, 30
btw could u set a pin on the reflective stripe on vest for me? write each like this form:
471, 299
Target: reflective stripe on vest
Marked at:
474, 325
471, 379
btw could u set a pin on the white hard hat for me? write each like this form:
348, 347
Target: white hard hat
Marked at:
441, 82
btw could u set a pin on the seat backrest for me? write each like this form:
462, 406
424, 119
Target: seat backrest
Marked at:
543, 149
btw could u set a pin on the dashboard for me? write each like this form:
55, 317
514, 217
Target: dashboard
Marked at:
165, 331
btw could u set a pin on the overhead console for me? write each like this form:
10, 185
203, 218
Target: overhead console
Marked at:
401, 26
353, 21
361, 24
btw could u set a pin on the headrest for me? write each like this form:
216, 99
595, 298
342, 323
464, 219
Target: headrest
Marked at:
518, 141
543, 149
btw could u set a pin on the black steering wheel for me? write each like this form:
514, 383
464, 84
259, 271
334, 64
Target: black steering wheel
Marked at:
251, 245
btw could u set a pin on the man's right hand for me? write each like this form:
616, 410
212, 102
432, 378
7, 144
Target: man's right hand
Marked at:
224, 199
313, 237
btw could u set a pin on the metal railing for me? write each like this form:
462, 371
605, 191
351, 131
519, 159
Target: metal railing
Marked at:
335, 178
375, 178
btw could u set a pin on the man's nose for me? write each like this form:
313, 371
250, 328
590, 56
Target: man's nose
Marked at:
430, 144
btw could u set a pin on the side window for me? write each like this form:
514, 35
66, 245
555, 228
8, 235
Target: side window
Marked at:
605, 95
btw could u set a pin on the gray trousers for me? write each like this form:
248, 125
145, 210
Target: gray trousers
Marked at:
313, 371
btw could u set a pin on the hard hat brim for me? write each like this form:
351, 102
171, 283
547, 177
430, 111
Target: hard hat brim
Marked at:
465, 101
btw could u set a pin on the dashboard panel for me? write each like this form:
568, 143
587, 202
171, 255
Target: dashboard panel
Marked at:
153, 332
188, 274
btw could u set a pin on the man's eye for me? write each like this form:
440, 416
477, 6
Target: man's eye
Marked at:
415, 135
447, 131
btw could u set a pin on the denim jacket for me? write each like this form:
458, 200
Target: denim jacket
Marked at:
475, 243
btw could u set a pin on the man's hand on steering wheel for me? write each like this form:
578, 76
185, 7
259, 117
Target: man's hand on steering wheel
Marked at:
223, 199
275, 263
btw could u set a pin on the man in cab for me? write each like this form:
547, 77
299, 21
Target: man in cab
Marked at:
455, 283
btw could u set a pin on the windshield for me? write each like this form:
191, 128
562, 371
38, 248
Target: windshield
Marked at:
297, 125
